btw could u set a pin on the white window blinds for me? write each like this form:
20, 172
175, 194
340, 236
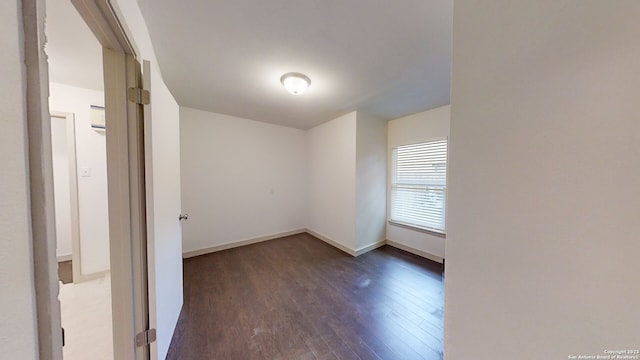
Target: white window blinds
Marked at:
419, 184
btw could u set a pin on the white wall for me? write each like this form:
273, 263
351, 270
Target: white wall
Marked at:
18, 333
241, 179
332, 180
542, 249
421, 127
91, 156
371, 180
245, 180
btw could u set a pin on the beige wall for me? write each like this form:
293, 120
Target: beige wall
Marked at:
18, 334
542, 243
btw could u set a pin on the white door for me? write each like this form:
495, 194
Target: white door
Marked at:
62, 184
164, 233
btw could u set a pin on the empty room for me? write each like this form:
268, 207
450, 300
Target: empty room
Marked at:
299, 133
331, 179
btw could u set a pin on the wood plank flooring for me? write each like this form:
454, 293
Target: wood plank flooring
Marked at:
300, 298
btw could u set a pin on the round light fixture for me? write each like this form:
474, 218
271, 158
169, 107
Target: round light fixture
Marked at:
295, 83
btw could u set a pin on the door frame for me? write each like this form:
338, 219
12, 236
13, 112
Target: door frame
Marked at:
125, 168
127, 210
76, 259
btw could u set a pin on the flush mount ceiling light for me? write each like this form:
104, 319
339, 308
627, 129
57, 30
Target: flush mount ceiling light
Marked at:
295, 83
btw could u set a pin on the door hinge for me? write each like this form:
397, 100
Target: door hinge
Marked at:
146, 337
139, 96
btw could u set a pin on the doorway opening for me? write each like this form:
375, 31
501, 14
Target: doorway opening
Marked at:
79, 162
126, 198
142, 201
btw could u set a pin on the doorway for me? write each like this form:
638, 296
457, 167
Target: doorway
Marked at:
65, 188
138, 207
85, 283
124, 148
79, 162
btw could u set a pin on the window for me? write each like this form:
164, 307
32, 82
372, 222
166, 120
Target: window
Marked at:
419, 184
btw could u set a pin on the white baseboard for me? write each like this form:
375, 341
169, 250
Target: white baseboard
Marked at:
352, 252
366, 249
332, 242
349, 251
235, 244
414, 251
63, 258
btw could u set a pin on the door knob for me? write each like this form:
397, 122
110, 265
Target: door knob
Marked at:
183, 217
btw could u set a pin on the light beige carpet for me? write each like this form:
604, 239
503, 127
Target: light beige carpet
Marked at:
86, 319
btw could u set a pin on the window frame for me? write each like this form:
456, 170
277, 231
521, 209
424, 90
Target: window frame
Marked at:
393, 186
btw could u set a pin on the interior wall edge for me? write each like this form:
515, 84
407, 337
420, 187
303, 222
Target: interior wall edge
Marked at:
367, 248
43, 272
332, 242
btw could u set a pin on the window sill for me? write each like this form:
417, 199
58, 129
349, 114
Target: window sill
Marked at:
419, 229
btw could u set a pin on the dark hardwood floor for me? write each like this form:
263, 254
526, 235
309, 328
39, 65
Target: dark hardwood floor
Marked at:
300, 298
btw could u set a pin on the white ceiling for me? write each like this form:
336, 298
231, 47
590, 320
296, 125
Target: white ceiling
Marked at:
74, 54
386, 58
